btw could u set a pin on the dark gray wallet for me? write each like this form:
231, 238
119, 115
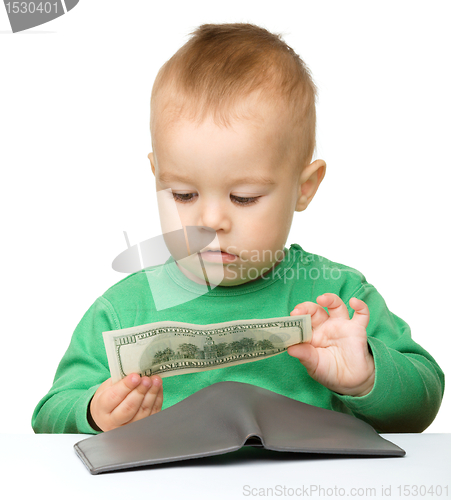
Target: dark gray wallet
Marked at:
225, 417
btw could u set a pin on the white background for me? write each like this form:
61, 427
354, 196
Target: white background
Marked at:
74, 139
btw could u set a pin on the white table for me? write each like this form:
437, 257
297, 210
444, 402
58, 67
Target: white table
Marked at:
46, 466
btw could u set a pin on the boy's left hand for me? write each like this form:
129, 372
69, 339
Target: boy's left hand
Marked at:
338, 355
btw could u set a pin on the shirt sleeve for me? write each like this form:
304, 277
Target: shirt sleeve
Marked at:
409, 383
82, 369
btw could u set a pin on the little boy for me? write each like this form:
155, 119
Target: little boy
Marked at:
233, 135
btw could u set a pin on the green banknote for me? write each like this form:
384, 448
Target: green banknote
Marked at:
171, 348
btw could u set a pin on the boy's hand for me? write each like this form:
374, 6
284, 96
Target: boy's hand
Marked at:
126, 401
338, 355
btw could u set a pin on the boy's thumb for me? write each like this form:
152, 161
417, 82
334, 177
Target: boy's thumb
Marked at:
307, 355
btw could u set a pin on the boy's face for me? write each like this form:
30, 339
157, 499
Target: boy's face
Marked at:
237, 181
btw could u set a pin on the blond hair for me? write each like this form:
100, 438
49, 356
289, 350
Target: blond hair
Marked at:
221, 64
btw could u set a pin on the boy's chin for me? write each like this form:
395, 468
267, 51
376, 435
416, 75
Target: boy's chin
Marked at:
231, 282
216, 275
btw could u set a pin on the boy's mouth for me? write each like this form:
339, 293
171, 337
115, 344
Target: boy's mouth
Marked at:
217, 256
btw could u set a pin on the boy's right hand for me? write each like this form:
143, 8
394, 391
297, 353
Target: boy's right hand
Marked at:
126, 401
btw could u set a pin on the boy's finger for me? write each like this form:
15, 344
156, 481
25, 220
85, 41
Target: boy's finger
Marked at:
144, 386
129, 407
318, 314
335, 306
361, 314
151, 399
158, 400
116, 393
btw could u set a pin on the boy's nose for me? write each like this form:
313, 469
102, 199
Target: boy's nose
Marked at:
215, 215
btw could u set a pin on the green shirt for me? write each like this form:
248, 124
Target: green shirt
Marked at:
408, 387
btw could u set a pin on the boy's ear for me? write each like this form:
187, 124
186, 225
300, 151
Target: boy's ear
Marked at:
309, 181
152, 162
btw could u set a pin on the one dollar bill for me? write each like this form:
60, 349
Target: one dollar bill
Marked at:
172, 348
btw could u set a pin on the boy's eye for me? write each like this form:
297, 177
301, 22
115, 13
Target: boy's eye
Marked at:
182, 197
245, 201
189, 197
